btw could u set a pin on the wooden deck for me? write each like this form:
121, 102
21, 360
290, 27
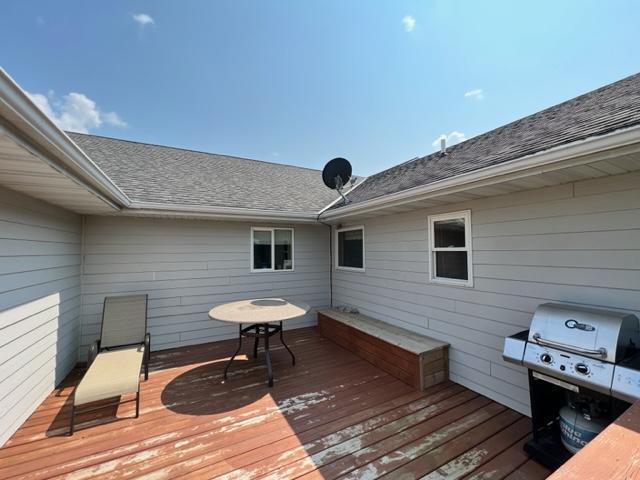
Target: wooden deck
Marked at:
333, 415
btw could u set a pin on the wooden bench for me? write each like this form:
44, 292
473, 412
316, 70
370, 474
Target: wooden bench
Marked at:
413, 358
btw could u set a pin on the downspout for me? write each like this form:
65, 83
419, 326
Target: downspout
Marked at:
83, 230
330, 260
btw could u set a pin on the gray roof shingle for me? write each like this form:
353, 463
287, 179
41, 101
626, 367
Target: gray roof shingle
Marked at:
174, 176
601, 111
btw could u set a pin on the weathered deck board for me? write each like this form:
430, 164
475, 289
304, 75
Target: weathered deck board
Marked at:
332, 415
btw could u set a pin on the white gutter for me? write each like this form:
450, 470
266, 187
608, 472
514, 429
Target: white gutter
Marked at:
563, 156
217, 213
56, 146
53, 146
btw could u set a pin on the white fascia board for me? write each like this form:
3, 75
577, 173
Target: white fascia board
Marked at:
218, 213
563, 156
25, 117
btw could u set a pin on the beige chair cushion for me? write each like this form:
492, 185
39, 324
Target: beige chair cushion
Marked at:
124, 320
111, 374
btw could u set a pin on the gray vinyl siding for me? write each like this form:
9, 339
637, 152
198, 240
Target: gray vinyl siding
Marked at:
39, 303
577, 243
189, 266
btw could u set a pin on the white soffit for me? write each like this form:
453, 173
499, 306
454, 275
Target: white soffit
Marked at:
23, 171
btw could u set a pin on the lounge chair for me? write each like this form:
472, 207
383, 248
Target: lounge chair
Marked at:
116, 359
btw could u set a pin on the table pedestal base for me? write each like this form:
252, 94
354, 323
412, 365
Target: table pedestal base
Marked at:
258, 331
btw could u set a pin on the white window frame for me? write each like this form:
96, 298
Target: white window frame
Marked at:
337, 245
466, 215
273, 250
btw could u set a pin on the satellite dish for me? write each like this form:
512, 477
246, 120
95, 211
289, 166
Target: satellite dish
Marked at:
336, 174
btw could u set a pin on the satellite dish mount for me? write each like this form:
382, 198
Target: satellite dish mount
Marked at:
336, 174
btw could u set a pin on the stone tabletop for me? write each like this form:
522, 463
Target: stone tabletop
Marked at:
259, 310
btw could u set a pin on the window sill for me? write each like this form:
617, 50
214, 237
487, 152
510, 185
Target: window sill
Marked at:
451, 283
350, 269
265, 270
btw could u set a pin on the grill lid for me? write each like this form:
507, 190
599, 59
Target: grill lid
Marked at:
603, 334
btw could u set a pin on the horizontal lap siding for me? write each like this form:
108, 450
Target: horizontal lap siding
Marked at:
39, 303
189, 266
577, 243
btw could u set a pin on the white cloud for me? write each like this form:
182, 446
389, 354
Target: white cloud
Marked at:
143, 19
478, 94
42, 102
112, 118
451, 139
409, 23
75, 112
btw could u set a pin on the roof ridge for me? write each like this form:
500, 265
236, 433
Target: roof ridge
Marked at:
192, 150
502, 127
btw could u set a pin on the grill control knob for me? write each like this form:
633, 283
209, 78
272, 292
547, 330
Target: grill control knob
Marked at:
546, 358
582, 368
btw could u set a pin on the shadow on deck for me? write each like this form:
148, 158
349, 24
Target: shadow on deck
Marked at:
333, 415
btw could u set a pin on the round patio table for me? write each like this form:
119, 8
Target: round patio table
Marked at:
265, 317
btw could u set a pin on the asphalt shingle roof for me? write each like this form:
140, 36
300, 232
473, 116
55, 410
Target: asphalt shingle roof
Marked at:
170, 176
601, 111
166, 175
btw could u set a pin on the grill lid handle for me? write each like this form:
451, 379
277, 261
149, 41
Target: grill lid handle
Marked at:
601, 352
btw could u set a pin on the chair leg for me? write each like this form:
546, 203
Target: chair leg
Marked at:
138, 404
146, 370
73, 418
226, 369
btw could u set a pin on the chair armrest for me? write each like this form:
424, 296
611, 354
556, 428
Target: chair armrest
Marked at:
94, 349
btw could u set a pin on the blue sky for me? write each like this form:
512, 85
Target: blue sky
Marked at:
302, 82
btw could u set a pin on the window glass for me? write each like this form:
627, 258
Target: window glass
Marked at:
350, 249
283, 252
261, 249
449, 233
451, 265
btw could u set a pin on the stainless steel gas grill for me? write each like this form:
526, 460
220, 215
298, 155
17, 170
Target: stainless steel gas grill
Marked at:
584, 369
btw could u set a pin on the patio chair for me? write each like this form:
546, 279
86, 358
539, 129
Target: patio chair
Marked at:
116, 359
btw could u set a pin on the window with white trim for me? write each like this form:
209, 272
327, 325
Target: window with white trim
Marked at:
450, 248
271, 249
350, 248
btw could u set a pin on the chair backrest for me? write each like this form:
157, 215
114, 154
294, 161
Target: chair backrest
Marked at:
124, 321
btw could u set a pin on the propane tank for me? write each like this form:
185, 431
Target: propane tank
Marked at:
578, 427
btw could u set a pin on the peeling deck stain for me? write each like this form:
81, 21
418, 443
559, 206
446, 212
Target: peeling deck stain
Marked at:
459, 466
303, 401
307, 432
411, 451
350, 440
